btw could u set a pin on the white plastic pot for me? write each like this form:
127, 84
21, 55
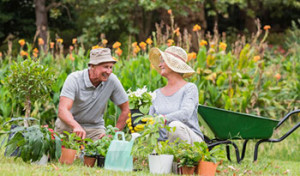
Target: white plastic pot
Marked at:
42, 161
160, 164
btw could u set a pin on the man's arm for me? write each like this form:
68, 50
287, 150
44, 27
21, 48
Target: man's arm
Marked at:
65, 115
123, 116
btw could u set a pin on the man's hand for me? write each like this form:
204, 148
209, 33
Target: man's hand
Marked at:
79, 132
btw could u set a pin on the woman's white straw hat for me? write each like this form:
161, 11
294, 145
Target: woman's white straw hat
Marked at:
175, 57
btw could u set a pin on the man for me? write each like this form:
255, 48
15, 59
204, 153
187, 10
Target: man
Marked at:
85, 94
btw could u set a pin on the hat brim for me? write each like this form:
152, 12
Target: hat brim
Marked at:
95, 62
174, 63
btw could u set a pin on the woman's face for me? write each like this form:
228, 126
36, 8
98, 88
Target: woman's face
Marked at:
165, 70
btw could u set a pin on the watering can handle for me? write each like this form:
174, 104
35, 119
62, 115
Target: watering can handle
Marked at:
119, 133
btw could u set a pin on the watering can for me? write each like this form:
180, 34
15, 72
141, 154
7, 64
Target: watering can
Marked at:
118, 155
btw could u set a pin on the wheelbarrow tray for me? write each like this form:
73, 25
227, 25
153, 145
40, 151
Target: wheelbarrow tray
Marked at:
233, 125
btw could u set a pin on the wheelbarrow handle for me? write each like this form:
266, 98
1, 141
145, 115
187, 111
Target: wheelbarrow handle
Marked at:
286, 117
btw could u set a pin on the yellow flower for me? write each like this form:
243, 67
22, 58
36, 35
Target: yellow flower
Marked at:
35, 50
116, 45
223, 46
149, 41
170, 12
22, 42
74, 41
267, 27
134, 44
119, 52
177, 31
203, 42
96, 46
277, 76
41, 41
256, 58
23, 53
143, 45
59, 40
136, 49
191, 56
196, 28
51, 44
104, 41
210, 60
198, 70
170, 42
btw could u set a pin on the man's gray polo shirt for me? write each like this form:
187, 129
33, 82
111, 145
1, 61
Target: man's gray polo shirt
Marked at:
90, 101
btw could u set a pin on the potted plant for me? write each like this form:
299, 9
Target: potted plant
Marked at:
102, 145
139, 104
188, 156
160, 156
28, 82
34, 143
89, 152
209, 162
70, 145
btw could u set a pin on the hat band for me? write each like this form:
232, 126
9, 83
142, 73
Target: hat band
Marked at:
175, 55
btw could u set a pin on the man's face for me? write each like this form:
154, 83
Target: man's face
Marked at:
102, 71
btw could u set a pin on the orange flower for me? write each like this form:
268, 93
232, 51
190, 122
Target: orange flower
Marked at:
116, 45
256, 58
0, 54
74, 41
119, 52
277, 76
71, 57
149, 41
267, 27
223, 46
177, 31
170, 42
104, 41
51, 44
191, 56
136, 49
115, 59
71, 47
143, 45
35, 55
203, 42
22, 42
41, 41
196, 28
170, 12
134, 44
59, 40
35, 50
96, 46
23, 53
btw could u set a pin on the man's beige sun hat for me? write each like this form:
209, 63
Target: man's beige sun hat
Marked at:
175, 57
100, 55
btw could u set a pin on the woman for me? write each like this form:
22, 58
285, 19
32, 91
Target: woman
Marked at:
178, 100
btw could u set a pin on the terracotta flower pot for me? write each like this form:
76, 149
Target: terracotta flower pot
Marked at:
206, 168
67, 156
89, 161
188, 170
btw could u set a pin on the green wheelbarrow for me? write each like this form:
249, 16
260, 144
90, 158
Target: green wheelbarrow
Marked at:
228, 126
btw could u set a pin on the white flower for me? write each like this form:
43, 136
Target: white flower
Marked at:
153, 95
